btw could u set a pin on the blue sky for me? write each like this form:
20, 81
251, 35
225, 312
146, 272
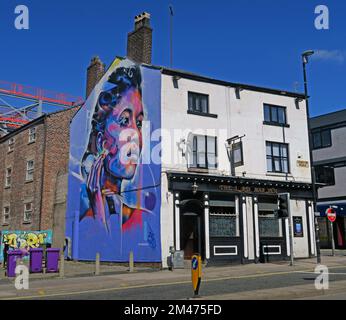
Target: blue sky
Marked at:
248, 41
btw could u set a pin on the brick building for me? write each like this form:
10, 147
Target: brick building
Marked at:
34, 161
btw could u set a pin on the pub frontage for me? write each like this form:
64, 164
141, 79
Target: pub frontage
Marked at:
231, 220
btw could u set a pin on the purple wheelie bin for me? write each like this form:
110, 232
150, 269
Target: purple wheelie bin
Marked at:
12, 257
36, 256
52, 259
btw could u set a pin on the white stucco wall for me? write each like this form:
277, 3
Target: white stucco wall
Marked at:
300, 245
167, 221
247, 118
175, 116
235, 117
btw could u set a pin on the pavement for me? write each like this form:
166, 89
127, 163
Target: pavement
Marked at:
250, 281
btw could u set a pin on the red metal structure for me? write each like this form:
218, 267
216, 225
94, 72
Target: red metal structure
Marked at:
13, 97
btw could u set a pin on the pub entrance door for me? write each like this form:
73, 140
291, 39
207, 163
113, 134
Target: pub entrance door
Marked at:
192, 237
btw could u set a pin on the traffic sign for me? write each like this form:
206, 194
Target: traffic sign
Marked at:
331, 214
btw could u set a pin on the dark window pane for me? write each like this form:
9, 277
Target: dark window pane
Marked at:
266, 113
269, 149
190, 102
204, 104
211, 160
274, 114
201, 144
194, 160
281, 115
284, 165
195, 143
276, 149
198, 102
269, 164
325, 175
204, 152
283, 150
316, 136
211, 144
201, 159
325, 137
277, 165
277, 157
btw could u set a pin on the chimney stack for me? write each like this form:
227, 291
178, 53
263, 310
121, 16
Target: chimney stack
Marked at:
95, 72
139, 41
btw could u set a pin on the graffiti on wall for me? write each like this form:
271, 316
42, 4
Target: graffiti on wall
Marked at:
113, 195
24, 240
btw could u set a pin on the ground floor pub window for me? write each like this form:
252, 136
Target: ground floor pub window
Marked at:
223, 220
269, 225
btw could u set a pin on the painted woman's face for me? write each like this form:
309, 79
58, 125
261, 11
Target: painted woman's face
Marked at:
122, 138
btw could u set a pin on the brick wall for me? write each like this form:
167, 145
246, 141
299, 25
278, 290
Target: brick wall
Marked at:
50, 152
55, 161
20, 190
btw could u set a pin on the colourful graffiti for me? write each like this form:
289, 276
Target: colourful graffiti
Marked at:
24, 240
114, 196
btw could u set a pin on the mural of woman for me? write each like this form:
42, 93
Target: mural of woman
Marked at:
114, 150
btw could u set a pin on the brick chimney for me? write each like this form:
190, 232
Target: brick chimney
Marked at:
139, 41
95, 72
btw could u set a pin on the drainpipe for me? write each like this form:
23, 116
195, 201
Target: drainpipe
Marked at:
42, 170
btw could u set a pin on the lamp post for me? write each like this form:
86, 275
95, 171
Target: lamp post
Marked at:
305, 58
171, 35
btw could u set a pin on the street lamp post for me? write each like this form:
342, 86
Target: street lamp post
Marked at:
305, 57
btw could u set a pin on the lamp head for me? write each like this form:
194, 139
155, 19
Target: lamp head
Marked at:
307, 54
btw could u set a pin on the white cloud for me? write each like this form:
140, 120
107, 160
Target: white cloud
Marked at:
338, 56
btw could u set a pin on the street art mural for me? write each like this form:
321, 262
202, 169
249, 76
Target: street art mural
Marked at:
24, 240
114, 186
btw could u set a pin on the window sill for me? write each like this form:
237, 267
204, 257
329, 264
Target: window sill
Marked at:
5, 224
203, 114
201, 170
29, 181
275, 124
7, 187
26, 222
279, 174
31, 142
11, 151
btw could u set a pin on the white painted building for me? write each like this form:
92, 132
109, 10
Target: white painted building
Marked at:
228, 215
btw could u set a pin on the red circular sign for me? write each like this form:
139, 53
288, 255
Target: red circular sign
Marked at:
331, 214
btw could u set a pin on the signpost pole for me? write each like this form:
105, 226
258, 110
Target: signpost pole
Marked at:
331, 214
290, 227
332, 236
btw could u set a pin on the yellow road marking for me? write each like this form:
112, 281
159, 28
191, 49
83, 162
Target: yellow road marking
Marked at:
157, 285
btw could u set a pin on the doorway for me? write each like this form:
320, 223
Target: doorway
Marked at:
192, 237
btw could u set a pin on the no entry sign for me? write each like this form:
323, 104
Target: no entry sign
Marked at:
331, 214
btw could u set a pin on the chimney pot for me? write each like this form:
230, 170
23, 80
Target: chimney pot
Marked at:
95, 72
139, 41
